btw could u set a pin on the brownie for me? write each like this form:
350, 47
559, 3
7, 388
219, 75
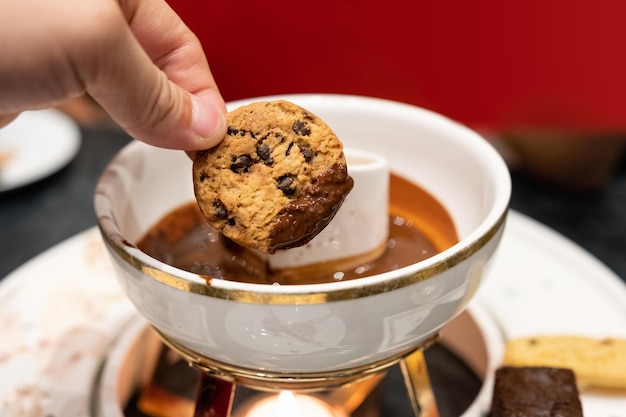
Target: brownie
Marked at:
535, 392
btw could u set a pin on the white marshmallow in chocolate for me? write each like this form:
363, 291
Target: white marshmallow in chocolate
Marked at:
361, 226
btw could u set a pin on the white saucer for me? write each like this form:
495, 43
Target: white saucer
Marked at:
60, 313
35, 145
543, 283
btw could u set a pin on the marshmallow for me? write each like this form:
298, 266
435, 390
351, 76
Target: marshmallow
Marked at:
360, 228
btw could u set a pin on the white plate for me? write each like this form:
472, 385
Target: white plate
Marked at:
60, 312
35, 145
542, 283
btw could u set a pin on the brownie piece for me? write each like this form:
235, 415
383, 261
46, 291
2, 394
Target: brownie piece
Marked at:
535, 392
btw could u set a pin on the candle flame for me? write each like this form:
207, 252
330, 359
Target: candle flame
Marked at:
287, 405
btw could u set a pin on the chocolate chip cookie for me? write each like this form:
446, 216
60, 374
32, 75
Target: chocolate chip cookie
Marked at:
276, 180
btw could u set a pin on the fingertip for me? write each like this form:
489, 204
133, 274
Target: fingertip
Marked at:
208, 122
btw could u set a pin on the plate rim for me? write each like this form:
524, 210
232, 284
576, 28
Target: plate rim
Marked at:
69, 132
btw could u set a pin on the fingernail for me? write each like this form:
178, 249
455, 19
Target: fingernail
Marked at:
207, 120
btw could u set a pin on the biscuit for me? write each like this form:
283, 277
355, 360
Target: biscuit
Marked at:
276, 180
599, 363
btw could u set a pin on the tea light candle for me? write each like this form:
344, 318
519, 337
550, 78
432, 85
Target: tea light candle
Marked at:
288, 404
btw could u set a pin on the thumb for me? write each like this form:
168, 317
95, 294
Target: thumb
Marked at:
141, 98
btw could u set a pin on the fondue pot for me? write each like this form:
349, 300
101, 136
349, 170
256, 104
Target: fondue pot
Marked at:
307, 336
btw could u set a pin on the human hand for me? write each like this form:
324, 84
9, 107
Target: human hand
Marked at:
136, 58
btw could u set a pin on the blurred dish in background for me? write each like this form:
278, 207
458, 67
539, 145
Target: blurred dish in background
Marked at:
35, 145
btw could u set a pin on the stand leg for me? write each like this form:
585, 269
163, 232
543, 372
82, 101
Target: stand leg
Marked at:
215, 397
350, 397
418, 385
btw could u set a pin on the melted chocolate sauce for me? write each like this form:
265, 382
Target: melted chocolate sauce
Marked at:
419, 227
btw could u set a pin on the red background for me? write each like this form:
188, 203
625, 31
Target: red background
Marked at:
495, 63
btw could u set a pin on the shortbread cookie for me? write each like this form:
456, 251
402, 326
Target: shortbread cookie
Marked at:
597, 363
276, 180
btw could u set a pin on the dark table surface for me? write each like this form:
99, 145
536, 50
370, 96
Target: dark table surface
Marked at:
37, 216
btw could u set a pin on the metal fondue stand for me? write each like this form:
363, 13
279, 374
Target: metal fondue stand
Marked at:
348, 387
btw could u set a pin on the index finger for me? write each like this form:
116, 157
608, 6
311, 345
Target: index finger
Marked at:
172, 46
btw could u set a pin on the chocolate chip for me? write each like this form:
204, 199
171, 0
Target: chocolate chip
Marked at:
307, 153
233, 131
285, 183
300, 128
203, 176
288, 151
241, 163
221, 213
265, 154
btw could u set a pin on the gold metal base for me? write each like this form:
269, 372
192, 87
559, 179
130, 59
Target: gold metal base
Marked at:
276, 381
351, 385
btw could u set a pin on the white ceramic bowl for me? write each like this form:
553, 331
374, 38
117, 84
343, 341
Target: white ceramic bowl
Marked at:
301, 330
